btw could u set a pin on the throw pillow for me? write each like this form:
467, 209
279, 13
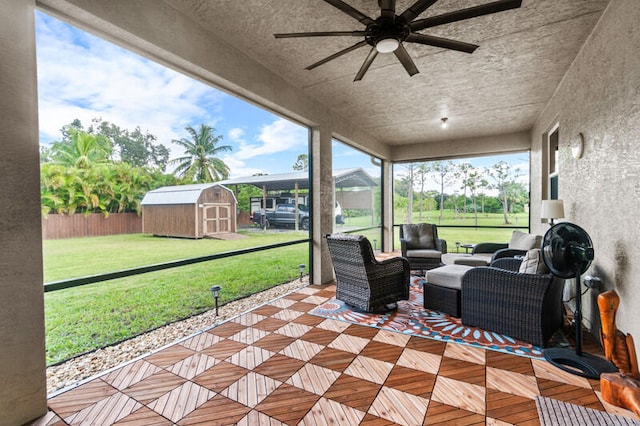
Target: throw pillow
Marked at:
533, 263
522, 241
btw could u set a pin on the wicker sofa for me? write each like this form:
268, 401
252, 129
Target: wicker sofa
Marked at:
518, 245
361, 280
527, 307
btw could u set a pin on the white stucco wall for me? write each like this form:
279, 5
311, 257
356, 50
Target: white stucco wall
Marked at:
22, 352
600, 97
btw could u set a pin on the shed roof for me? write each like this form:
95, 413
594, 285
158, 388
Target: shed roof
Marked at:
344, 178
179, 194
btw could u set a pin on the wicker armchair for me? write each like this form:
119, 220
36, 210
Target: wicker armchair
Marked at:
527, 307
361, 280
420, 244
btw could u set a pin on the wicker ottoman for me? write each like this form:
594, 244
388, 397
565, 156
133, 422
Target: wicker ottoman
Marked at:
442, 288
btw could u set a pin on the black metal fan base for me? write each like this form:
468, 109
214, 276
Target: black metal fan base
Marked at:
585, 365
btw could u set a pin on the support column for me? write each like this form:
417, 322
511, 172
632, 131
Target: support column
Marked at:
387, 206
22, 357
322, 178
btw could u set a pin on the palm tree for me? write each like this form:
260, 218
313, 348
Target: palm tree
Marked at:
200, 162
82, 151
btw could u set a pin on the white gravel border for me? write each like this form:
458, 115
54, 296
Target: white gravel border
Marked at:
85, 367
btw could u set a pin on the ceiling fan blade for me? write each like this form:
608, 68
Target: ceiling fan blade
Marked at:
387, 8
460, 15
337, 54
406, 61
321, 34
351, 11
416, 9
366, 64
446, 43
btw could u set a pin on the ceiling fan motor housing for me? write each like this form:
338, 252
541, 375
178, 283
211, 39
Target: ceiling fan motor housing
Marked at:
383, 29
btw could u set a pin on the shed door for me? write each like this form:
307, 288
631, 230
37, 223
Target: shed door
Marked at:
216, 218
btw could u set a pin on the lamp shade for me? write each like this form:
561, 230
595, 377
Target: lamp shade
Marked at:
552, 209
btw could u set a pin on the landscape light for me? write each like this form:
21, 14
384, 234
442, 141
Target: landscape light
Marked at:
215, 291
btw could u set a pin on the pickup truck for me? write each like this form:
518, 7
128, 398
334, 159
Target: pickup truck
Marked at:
284, 215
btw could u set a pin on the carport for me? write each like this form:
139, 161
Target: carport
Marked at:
355, 182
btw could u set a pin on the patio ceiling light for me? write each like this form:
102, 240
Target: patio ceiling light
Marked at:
387, 45
443, 121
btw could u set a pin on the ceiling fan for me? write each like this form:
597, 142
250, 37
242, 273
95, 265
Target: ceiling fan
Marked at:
389, 31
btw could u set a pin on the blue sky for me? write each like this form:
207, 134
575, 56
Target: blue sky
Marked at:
83, 76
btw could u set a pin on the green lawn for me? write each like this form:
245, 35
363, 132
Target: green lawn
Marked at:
78, 257
88, 317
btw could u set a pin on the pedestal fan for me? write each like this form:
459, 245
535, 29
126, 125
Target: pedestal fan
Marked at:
567, 251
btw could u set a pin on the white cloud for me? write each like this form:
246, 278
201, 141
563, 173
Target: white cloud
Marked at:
82, 76
281, 135
236, 134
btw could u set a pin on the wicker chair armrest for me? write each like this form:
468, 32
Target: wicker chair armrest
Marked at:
441, 245
506, 283
507, 263
390, 274
397, 263
489, 247
403, 247
507, 252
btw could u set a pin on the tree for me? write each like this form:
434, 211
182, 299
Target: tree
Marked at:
200, 162
80, 149
134, 147
422, 174
410, 179
103, 188
244, 194
473, 182
462, 171
302, 163
503, 175
442, 170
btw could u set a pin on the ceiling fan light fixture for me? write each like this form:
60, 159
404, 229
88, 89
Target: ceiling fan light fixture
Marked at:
387, 45
443, 122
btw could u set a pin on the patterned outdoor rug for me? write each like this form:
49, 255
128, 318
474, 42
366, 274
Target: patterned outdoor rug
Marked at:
558, 413
412, 318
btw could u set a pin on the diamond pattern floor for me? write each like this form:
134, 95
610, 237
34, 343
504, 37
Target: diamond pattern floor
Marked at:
279, 365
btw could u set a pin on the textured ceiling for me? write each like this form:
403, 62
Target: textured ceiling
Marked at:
500, 88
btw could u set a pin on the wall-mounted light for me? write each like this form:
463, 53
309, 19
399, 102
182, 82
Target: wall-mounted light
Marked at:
443, 122
577, 146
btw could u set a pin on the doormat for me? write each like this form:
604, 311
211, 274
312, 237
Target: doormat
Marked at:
558, 413
412, 318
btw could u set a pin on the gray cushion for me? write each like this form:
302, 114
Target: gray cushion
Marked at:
478, 259
522, 241
424, 253
447, 276
533, 263
419, 236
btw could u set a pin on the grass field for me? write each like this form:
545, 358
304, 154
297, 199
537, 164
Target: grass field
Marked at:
88, 317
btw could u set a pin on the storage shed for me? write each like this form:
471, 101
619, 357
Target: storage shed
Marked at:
189, 211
